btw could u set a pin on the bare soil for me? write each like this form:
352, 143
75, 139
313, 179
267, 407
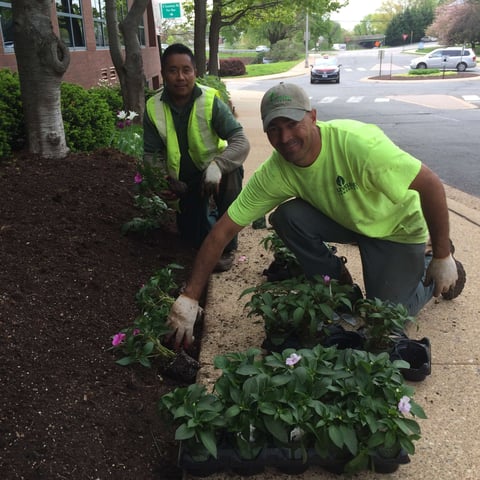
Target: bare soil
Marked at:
68, 278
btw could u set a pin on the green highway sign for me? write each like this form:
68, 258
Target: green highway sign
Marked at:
170, 10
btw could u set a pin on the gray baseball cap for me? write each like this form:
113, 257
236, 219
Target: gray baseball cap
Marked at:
284, 100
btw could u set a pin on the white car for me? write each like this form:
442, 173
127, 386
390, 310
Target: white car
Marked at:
262, 49
450, 58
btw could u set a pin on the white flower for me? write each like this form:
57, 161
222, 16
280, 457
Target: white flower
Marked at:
122, 115
132, 115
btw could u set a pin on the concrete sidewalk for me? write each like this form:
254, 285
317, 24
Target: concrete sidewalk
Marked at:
450, 445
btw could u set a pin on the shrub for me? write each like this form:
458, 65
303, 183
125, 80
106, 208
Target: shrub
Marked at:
12, 125
110, 94
424, 71
215, 82
231, 67
88, 120
285, 50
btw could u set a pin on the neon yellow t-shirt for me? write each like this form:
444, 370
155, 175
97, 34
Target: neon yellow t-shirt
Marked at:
360, 179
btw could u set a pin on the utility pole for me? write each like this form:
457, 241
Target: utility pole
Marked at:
307, 36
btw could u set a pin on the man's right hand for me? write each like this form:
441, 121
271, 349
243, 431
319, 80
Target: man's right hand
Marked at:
181, 320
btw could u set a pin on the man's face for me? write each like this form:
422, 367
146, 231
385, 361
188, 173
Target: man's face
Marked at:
297, 142
179, 77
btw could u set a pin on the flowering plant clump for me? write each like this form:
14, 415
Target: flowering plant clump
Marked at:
344, 402
149, 181
128, 136
143, 341
384, 322
299, 307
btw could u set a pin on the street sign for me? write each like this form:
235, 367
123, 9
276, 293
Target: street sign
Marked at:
170, 10
405, 36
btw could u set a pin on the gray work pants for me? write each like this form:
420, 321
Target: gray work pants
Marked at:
391, 271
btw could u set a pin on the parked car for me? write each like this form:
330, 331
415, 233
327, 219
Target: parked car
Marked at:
450, 58
325, 69
262, 49
428, 39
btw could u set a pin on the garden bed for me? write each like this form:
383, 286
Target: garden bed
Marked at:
68, 280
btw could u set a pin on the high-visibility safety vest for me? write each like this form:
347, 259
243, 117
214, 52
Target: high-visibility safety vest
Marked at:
203, 142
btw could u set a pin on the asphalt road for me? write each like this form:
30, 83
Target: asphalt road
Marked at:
436, 121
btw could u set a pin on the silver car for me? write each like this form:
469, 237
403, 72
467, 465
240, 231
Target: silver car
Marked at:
450, 58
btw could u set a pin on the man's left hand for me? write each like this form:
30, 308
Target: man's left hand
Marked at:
443, 272
211, 179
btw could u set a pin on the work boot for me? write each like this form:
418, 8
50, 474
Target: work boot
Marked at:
225, 262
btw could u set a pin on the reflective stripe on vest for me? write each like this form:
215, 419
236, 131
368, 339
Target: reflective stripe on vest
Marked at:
203, 142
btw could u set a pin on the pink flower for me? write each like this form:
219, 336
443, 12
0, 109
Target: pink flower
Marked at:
293, 359
404, 404
118, 338
136, 331
138, 178
326, 279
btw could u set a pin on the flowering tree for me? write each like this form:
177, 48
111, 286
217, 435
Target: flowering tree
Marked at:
457, 22
42, 59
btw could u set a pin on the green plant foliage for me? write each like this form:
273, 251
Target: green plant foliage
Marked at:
88, 120
384, 322
299, 307
150, 180
343, 403
111, 94
215, 82
143, 340
12, 128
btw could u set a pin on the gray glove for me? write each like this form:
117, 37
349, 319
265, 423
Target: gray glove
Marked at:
211, 179
443, 272
181, 319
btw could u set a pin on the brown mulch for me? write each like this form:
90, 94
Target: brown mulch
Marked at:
67, 283
425, 77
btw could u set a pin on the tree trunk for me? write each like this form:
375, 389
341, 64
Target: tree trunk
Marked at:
215, 26
199, 36
128, 63
42, 60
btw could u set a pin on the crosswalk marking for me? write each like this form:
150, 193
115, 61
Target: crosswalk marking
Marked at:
327, 99
471, 98
355, 99
359, 99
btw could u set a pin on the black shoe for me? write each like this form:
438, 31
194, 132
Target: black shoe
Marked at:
225, 262
345, 278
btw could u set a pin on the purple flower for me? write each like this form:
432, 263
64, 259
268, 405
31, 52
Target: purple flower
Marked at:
118, 338
293, 359
136, 331
120, 125
138, 178
326, 279
404, 404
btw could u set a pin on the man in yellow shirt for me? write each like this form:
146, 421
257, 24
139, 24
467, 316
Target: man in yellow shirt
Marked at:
340, 181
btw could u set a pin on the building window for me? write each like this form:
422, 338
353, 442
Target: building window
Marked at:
6, 26
100, 23
70, 22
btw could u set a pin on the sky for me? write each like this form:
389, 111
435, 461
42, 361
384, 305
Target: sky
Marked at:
356, 10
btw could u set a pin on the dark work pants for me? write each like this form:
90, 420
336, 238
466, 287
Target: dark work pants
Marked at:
199, 213
391, 271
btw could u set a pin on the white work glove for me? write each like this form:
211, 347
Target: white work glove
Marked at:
211, 179
181, 320
443, 272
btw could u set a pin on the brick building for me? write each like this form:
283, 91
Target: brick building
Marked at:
81, 24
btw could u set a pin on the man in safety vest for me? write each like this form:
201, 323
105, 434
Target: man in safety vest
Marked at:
196, 140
